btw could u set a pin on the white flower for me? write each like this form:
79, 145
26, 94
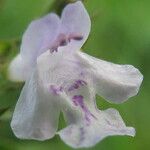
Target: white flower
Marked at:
59, 77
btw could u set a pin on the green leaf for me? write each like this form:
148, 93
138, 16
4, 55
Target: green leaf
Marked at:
15, 15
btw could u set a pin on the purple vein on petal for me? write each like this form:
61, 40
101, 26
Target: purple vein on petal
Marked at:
78, 101
55, 90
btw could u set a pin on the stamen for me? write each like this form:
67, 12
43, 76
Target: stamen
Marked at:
78, 38
53, 49
75, 36
63, 42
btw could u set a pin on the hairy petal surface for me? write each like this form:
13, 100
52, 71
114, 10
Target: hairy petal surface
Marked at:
76, 24
114, 82
36, 113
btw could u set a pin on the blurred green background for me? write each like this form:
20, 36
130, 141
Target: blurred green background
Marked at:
120, 33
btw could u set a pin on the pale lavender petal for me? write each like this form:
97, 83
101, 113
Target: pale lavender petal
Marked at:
39, 36
76, 25
114, 82
19, 70
36, 113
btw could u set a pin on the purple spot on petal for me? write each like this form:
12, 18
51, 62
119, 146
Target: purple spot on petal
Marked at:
81, 82
78, 100
56, 90
77, 84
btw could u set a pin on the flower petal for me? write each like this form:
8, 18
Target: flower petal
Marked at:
36, 113
75, 22
39, 37
107, 123
114, 82
86, 124
19, 69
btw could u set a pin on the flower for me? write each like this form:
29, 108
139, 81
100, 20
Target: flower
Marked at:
60, 78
